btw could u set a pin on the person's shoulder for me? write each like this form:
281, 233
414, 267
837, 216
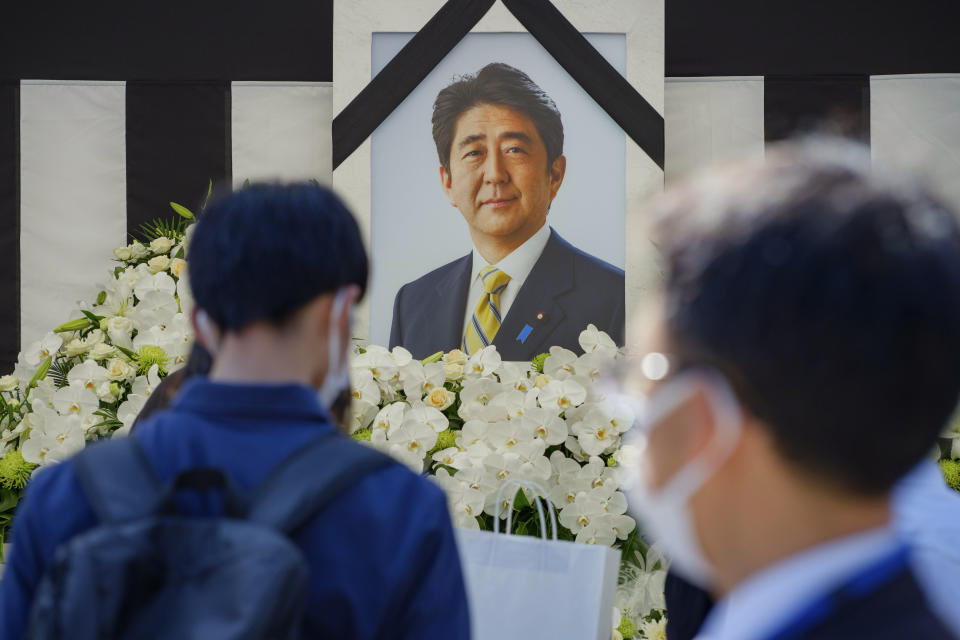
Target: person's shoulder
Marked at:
588, 265
429, 280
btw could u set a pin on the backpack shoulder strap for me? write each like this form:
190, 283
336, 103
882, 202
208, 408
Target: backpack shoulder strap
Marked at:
117, 479
310, 479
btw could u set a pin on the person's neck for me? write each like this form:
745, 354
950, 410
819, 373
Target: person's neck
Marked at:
794, 519
496, 248
260, 359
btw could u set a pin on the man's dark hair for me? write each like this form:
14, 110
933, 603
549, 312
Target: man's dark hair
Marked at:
829, 297
499, 84
264, 252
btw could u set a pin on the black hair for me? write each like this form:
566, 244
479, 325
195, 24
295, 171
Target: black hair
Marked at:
499, 84
264, 252
829, 296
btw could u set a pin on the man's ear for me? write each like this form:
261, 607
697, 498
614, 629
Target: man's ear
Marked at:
557, 170
447, 184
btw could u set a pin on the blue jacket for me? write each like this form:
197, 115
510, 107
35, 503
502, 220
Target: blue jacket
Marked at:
566, 290
383, 558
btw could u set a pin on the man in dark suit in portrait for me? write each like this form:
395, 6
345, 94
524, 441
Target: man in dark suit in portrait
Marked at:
801, 359
523, 288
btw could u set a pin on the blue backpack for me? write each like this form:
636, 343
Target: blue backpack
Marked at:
148, 572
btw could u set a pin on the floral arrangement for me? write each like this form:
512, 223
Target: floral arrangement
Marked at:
472, 423
89, 377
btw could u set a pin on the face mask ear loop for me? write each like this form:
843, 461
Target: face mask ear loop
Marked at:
728, 417
207, 328
334, 342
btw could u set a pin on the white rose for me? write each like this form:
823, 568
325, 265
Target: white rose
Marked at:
439, 398
9, 383
118, 369
75, 347
177, 266
162, 244
453, 372
455, 357
105, 392
157, 264
94, 338
119, 325
138, 251
101, 351
122, 253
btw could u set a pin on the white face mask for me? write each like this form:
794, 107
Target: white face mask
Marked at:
665, 513
338, 372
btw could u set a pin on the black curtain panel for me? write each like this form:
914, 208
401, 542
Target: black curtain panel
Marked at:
803, 105
10, 224
178, 137
209, 40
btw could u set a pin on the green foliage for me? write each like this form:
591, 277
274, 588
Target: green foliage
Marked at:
161, 227
110, 420
59, 370
538, 362
951, 472
182, 211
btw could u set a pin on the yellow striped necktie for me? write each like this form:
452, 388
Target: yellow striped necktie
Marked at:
485, 322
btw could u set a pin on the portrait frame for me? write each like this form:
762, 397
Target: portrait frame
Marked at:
635, 102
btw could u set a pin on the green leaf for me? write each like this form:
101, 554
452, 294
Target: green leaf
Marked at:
521, 502
94, 318
130, 354
160, 227
9, 499
59, 371
206, 199
41, 372
182, 211
73, 325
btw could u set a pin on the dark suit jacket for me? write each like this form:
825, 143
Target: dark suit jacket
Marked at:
566, 290
896, 610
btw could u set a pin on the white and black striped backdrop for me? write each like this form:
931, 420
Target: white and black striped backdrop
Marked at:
110, 110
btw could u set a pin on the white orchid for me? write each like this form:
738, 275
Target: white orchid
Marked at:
42, 349
546, 425
596, 433
155, 308
420, 379
593, 340
388, 420
154, 283
56, 439
464, 495
483, 363
75, 399
127, 412
559, 364
89, 374
411, 442
364, 387
428, 416
145, 385
562, 395
362, 414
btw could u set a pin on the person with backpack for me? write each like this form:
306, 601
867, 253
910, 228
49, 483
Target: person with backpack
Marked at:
242, 511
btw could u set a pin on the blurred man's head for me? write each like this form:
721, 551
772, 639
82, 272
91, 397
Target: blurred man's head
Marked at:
275, 271
827, 301
500, 142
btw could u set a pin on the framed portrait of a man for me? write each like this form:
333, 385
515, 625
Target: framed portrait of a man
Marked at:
497, 204
497, 170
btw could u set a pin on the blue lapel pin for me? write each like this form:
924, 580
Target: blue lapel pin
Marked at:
524, 334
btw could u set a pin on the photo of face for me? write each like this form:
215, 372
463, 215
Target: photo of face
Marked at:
499, 176
514, 141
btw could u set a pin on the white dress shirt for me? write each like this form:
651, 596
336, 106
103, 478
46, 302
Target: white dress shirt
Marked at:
765, 601
518, 265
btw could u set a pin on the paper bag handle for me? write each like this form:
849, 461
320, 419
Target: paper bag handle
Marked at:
540, 498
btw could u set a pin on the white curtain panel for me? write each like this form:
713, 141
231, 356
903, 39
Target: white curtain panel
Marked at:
711, 120
72, 196
282, 131
915, 123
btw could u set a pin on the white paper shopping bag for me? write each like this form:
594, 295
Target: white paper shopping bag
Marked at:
520, 587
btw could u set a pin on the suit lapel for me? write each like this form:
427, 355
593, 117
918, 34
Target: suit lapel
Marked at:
452, 290
537, 304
